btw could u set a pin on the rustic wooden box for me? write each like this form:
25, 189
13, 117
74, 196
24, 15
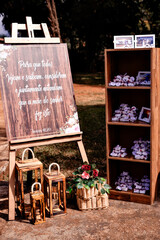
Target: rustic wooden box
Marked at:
91, 198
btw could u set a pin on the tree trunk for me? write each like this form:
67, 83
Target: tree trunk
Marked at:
54, 25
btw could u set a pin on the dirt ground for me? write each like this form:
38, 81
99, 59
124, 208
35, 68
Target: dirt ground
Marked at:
89, 95
121, 221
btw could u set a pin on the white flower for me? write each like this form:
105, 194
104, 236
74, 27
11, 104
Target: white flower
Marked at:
71, 121
3, 55
75, 115
73, 129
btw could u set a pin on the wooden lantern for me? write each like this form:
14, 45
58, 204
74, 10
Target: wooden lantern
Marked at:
37, 205
53, 179
25, 166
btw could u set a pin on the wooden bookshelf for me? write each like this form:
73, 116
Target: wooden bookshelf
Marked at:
130, 61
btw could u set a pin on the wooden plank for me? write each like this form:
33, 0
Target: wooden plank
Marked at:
45, 30
158, 88
82, 151
14, 30
154, 135
128, 193
33, 162
135, 87
45, 142
131, 197
154, 171
130, 124
27, 40
130, 159
31, 27
41, 176
22, 192
55, 178
64, 195
11, 202
130, 50
107, 112
46, 137
50, 198
26, 169
2, 121
20, 27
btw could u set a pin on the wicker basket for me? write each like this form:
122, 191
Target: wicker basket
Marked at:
91, 198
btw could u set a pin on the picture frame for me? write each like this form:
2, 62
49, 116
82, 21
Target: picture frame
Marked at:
145, 41
144, 78
145, 115
126, 41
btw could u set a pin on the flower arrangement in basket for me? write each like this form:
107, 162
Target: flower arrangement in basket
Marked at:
91, 190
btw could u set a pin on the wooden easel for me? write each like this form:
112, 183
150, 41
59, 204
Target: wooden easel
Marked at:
39, 141
30, 27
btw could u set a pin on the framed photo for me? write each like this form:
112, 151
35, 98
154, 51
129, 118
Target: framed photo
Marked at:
145, 41
144, 78
145, 115
124, 41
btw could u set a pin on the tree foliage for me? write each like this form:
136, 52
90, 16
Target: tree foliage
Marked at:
16, 11
88, 26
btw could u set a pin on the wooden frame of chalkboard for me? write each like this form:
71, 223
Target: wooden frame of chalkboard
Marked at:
38, 98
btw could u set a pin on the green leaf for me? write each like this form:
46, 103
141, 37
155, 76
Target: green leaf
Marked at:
93, 166
79, 185
103, 179
85, 181
86, 186
70, 189
106, 186
79, 169
90, 183
85, 163
107, 190
75, 173
93, 185
103, 191
100, 181
78, 180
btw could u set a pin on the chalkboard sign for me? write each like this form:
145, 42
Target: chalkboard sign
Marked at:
37, 91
